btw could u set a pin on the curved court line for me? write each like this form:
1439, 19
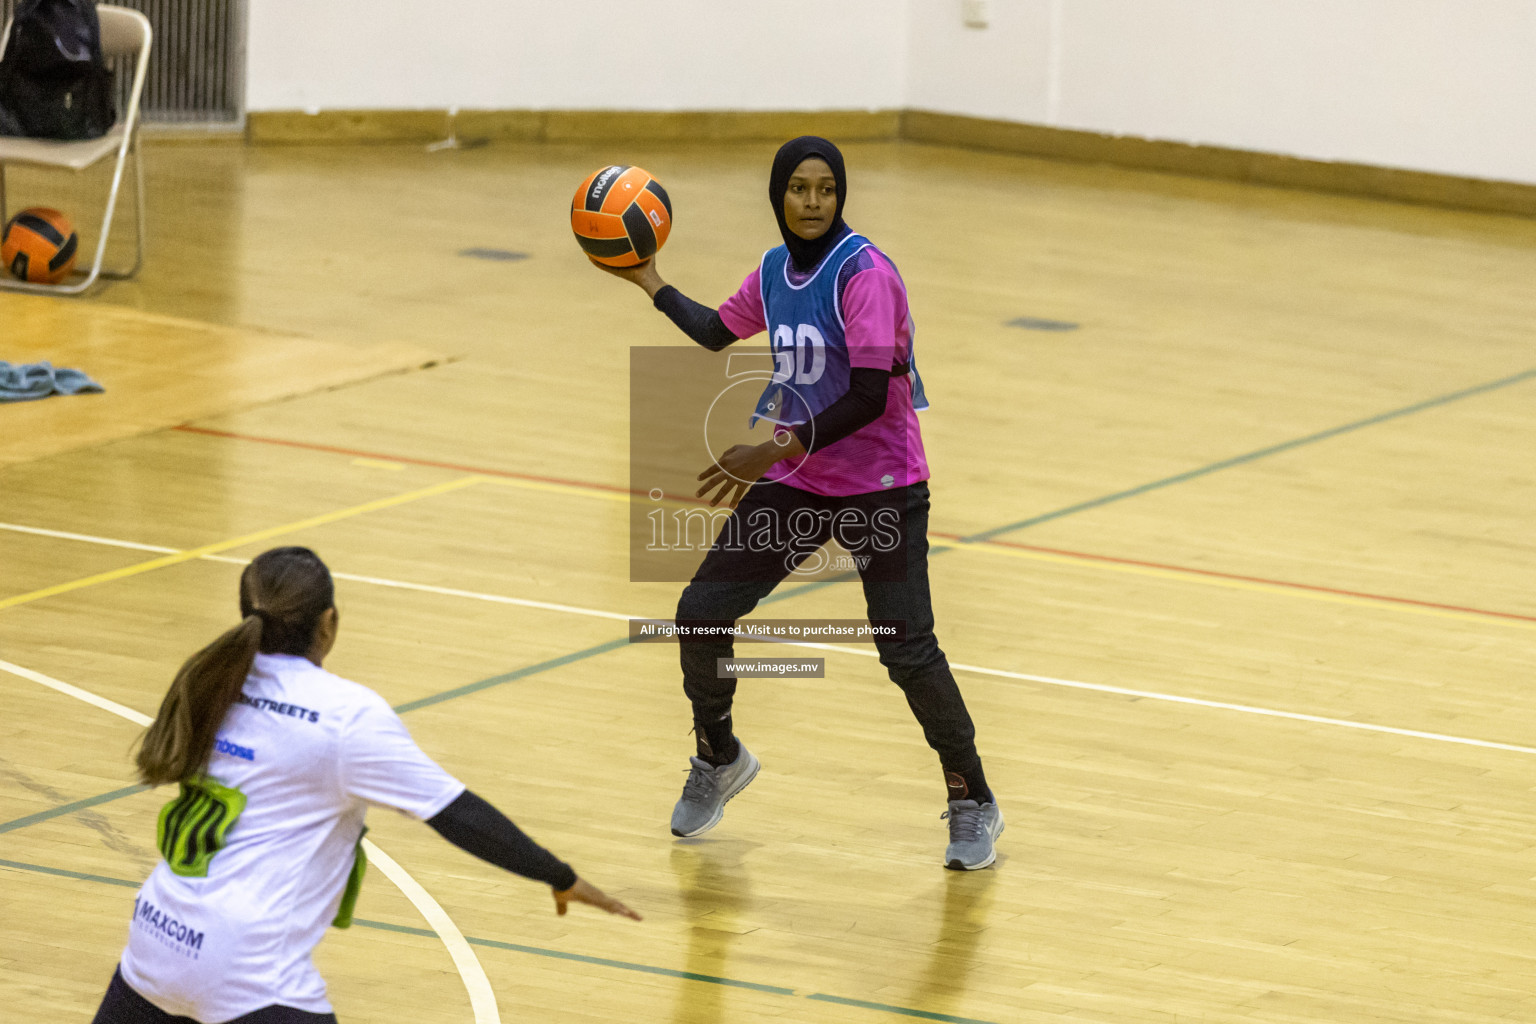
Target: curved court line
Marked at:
558, 954
481, 997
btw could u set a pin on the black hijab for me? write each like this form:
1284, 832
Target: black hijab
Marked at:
806, 253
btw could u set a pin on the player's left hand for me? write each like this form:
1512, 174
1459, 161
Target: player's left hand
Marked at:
585, 892
743, 465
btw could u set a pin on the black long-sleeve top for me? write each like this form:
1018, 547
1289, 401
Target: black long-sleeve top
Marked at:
861, 405
476, 827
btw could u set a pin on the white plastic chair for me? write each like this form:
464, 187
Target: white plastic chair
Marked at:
124, 33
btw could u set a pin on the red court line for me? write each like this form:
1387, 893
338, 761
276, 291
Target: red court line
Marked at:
359, 453
1246, 579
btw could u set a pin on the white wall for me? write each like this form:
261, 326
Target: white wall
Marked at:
575, 54
1437, 85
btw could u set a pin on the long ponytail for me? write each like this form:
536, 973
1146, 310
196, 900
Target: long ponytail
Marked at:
283, 595
181, 737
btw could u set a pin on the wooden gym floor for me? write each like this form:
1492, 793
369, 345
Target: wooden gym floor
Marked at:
1236, 575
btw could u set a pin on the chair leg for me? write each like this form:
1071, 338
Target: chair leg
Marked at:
91, 276
138, 212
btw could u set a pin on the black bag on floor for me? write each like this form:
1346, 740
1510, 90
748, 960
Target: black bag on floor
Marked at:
54, 83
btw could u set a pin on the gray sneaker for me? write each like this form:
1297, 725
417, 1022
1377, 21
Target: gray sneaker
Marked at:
972, 829
702, 804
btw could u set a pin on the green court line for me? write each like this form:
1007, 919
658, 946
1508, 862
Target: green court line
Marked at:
45, 870
1254, 456
1178, 478
905, 1011
497, 680
781, 595
78, 805
623, 965
557, 954
507, 677
786, 593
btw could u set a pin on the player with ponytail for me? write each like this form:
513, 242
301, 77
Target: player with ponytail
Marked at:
276, 761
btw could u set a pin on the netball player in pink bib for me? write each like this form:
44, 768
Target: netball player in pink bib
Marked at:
277, 761
847, 453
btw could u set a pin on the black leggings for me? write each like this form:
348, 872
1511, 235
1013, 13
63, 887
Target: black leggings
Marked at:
738, 573
122, 1005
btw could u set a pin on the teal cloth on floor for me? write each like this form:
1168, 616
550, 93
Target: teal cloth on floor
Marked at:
22, 382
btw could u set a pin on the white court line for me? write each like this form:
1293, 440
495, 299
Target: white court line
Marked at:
424, 588
137, 717
1172, 698
481, 997
108, 541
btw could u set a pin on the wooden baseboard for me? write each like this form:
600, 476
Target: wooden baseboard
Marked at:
1218, 162
358, 126
344, 127
424, 126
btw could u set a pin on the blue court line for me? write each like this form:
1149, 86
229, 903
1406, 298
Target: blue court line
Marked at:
78, 805
1254, 456
1178, 478
507, 677
599, 961
905, 1011
557, 954
43, 869
786, 593
438, 698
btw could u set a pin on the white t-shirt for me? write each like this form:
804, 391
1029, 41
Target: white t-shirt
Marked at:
309, 751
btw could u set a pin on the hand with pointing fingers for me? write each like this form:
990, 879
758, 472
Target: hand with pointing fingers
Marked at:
585, 892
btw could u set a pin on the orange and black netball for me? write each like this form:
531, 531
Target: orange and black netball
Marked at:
38, 245
621, 216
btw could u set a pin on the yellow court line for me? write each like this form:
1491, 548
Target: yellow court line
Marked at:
576, 489
249, 538
1210, 581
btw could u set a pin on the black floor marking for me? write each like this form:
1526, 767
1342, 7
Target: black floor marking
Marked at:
494, 255
1030, 323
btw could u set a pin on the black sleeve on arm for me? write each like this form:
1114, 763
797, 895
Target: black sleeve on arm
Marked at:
699, 322
476, 827
859, 407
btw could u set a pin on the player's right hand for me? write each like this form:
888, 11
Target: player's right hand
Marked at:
642, 274
585, 892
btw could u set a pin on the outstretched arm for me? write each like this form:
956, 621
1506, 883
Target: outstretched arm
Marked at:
474, 826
